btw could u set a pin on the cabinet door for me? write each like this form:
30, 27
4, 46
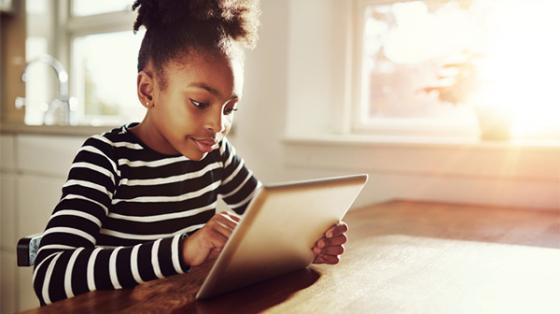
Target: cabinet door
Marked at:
26, 298
46, 155
36, 198
42, 167
8, 279
8, 283
8, 239
7, 153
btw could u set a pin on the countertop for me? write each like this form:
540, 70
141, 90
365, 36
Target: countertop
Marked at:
64, 130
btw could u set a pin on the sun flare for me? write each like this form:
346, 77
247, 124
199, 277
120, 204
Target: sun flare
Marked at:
519, 72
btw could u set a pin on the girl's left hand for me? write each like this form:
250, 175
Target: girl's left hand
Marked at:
330, 246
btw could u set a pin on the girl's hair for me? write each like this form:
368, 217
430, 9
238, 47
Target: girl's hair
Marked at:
174, 27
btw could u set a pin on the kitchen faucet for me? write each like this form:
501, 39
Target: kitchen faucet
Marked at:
59, 108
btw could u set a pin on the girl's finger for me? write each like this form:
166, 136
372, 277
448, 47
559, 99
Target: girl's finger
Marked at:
319, 260
214, 253
337, 229
316, 251
333, 250
329, 231
330, 259
225, 220
221, 229
321, 243
338, 240
233, 216
217, 237
340, 228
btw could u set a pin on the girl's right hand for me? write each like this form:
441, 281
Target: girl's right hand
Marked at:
210, 239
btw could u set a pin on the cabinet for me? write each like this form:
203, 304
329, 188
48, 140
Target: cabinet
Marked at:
7, 225
33, 169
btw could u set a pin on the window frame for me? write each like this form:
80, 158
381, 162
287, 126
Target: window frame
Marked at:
70, 27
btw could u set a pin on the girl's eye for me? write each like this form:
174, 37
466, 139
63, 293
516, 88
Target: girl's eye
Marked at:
198, 104
228, 111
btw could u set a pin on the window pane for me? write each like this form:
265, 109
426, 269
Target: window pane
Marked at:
89, 7
104, 77
41, 85
513, 57
404, 45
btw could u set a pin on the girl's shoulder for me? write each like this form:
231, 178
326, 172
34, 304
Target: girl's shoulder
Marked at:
123, 137
112, 141
225, 147
116, 137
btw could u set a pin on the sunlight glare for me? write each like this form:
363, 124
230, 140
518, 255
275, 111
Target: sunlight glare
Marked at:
522, 64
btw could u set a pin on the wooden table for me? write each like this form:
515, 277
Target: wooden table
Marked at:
403, 257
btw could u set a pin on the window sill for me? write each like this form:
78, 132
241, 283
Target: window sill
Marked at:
463, 157
357, 140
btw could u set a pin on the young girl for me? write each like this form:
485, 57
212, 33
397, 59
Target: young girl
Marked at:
139, 203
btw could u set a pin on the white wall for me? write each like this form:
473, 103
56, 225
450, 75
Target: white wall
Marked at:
261, 117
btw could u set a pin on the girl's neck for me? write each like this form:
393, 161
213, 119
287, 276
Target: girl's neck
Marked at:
148, 133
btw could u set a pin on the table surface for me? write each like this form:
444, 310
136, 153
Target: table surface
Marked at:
402, 257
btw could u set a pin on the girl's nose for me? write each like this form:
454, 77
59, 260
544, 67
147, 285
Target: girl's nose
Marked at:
216, 123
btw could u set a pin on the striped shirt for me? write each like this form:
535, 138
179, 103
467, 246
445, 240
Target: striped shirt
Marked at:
124, 211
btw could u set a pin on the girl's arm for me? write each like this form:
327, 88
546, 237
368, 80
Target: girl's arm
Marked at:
238, 183
69, 262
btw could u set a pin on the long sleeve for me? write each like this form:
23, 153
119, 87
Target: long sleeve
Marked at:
238, 184
69, 261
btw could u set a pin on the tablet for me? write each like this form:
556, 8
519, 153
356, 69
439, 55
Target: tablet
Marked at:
278, 230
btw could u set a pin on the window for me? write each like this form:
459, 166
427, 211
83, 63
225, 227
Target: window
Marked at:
40, 85
104, 77
510, 45
95, 42
88, 7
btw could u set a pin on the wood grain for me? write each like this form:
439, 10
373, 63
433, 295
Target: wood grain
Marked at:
403, 257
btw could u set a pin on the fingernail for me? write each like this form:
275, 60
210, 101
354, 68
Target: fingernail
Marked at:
329, 234
321, 243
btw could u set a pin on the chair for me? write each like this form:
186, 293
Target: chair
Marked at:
27, 248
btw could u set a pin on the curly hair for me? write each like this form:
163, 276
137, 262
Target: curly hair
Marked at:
174, 27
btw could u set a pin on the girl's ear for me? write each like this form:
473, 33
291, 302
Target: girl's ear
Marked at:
145, 88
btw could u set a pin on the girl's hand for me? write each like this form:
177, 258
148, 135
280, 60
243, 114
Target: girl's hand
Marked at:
210, 239
330, 246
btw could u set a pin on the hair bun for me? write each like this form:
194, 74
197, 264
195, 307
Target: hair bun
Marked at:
148, 14
237, 19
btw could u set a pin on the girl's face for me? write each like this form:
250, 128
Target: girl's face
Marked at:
195, 110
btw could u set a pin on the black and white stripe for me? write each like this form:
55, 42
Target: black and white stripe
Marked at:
124, 210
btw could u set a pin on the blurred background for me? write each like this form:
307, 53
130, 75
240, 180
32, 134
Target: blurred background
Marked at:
445, 100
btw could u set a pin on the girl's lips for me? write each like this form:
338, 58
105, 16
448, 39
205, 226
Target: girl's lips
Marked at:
204, 146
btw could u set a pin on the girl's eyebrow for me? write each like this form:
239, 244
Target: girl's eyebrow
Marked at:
210, 89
